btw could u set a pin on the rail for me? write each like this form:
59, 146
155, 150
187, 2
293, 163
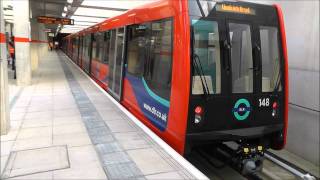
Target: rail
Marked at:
289, 167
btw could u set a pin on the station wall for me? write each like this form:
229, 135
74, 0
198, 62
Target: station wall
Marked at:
302, 28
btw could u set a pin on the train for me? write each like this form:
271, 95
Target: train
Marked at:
196, 72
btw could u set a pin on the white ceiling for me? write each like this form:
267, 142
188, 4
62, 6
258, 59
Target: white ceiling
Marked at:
84, 12
91, 12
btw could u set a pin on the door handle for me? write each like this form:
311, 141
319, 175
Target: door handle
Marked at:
227, 48
256, 52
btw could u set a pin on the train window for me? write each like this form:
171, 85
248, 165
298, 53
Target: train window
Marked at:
241, 58
207, 51
106, 47
270, 58
137, 48
112, 42
158, 67
94, 48
97, 45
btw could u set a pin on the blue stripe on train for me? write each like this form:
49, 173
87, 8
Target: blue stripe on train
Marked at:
155, 108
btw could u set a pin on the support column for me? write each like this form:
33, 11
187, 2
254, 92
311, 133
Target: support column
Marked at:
44, 39
4, 93
22, 41
35, 44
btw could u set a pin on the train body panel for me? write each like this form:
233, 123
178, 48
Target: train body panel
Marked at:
178, 67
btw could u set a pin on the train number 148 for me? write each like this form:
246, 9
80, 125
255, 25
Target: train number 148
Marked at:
265, 102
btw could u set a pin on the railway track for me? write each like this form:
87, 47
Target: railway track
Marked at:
272, 170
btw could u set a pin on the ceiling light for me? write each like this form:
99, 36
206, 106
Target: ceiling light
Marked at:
65, 8
96, 12
70, 1
64, 14
123, 4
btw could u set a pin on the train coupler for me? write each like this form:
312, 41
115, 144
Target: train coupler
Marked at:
250, 159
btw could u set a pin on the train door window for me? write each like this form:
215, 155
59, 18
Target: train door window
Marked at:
118, 60
112, 52
241, 58
100, 44
106, 46
137, 48
206, 57
94, 47
270, 58
158, 63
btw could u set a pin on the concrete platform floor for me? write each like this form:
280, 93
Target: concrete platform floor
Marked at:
63, 127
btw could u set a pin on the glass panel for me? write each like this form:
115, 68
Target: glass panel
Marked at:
137, 48
86, 63
106, 47
270, 58
241, 58
111, 58
207, 48
157, 70
118, 70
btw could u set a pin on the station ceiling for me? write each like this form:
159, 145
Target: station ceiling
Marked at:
84, 12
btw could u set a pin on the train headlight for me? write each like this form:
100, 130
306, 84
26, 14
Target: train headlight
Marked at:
198, 114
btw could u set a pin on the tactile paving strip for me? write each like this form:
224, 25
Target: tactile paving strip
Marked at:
116, 163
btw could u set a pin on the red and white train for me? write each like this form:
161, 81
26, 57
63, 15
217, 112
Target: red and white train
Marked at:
195, 72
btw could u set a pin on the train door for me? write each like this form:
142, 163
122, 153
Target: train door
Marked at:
241, 69
116, 62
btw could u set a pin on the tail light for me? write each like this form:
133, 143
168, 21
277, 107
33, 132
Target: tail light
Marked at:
274, 109
198, 114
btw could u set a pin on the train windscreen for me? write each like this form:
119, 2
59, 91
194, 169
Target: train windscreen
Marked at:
234, 38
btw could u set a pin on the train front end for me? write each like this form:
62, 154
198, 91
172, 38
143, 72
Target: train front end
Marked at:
239, 79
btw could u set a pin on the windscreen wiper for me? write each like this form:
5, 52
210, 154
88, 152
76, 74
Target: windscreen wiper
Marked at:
278, 82
198, 67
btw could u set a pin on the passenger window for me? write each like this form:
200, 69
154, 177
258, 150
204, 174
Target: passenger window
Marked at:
207, 51
158, 67
270, 59
137, 48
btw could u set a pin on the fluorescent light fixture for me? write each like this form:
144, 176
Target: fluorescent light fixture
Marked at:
8, 12
70, 1
84, 23
64, 14
97, 12
88, 19
123, 4
65, 8
69, 30
9, 20
7, 3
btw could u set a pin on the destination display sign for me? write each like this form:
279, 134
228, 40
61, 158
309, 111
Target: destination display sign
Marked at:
235, 9
54, 20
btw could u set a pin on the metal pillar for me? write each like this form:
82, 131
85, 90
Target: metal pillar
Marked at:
22, 41
4, 93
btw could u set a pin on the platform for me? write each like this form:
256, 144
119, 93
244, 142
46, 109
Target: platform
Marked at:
64, 127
